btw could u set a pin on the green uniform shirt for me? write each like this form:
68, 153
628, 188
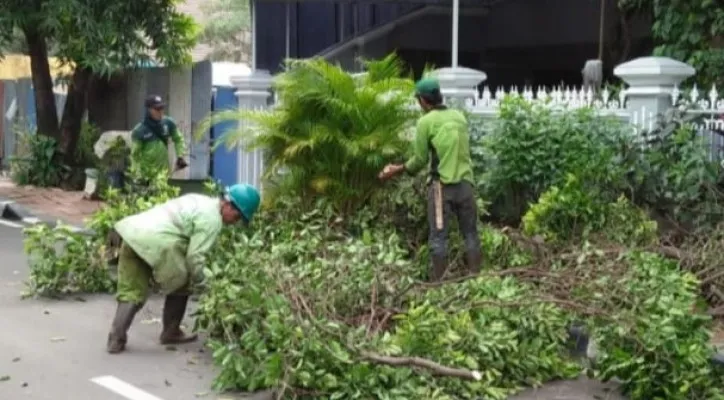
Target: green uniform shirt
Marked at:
174, 238
150, 143
444, 133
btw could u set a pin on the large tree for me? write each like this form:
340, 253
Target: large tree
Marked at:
227, 29
99, 38
687, 30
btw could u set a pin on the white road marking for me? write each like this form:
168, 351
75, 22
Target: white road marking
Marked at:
31, 220
11, 224
124, 389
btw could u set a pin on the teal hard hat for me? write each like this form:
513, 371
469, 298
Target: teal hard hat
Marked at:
245, 198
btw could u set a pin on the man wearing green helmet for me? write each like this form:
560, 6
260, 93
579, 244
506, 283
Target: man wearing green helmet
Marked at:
167, 245
443, 139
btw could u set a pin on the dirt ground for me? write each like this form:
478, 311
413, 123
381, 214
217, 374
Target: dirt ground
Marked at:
50, 202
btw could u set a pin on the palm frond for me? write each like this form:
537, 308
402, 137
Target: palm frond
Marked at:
330, 132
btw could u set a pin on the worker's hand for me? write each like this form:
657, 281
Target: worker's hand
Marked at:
181, 163
390, 171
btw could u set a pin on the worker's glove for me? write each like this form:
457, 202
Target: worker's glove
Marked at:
181, 163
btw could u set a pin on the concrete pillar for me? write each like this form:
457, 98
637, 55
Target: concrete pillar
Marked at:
651, 82
459, 83
179, 108
253, 92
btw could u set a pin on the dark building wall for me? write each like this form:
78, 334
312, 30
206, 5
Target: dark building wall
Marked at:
315, 26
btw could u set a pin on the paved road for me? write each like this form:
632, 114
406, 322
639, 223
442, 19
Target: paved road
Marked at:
54, 350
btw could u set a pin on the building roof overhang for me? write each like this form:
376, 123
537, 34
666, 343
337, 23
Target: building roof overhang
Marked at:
463, 3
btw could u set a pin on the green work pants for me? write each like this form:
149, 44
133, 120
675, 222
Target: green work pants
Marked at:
453, 200
134, 277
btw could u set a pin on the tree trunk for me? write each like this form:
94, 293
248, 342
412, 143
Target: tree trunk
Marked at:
45, 111
73, 112
107, 103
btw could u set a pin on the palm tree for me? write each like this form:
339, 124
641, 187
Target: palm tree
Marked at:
330, 132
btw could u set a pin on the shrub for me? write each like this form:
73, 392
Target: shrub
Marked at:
578, 210
532, 147
330, 133
131, 200
677, 177
38, 161
63, 261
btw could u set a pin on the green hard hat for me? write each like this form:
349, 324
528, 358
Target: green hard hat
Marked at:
245, 198
427, 87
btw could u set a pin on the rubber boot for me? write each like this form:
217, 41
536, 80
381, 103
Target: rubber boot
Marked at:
118, 337
474, 260
174, 308
438, 268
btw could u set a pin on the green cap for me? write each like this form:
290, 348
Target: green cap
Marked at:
427, 87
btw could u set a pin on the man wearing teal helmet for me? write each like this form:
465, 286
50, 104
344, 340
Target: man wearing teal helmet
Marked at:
442, 140
167, 245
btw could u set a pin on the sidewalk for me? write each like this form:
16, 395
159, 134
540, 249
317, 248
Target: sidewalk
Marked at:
52, 203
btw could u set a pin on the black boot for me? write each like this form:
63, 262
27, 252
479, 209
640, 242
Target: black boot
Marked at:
118, 337
474, 259
174, 308
438, 268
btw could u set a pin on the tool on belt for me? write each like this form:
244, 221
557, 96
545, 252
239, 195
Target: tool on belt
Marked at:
437, 198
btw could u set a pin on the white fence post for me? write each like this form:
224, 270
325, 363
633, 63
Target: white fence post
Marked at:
651, 84
253, 93
459, 83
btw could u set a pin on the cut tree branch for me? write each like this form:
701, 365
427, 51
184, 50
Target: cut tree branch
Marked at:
435, 368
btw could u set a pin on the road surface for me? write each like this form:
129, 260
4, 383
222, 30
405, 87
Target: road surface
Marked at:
55, 350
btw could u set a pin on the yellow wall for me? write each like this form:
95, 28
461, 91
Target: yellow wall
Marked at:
14, 66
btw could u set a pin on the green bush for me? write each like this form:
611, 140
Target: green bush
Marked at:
578, 210
331, 303
531, 147
676, 176
330, 133
38, 161
133, 199
64, 262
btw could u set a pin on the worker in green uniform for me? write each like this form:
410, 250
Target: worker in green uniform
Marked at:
443, 139
151, 138
166, 246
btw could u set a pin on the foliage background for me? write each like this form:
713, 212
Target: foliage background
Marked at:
325, 296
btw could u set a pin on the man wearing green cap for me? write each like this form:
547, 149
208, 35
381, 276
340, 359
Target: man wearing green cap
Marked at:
443, 140
167, 245
151, 138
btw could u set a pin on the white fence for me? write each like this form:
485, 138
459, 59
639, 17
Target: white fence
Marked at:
652, 91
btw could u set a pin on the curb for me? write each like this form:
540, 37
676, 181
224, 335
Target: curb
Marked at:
13, 211
579, 341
